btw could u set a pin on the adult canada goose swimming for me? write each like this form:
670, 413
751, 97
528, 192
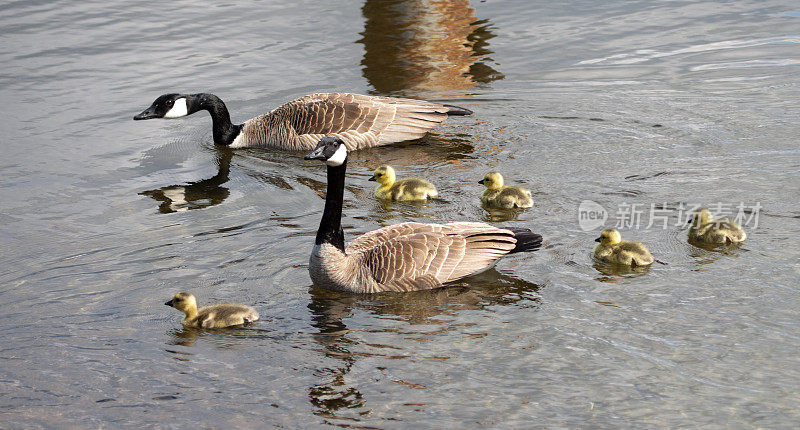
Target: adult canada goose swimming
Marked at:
360, 121
705, 228
612, 249
503, 196
406, 189
214, 316
402, 257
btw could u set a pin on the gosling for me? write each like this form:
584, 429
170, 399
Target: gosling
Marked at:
612, 249
407, 189
720, 231
503, 196
214, 316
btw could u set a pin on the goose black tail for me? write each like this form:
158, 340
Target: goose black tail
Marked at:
456, 110
526, 240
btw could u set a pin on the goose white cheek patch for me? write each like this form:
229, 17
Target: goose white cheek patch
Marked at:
178, 110
338, 157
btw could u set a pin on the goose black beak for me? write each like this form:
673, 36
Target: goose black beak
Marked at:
169, 303
481, 182
597, 240
316, 154
372, 178
148, 113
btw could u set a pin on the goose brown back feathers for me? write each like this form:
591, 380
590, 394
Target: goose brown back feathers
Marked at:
360, 121
413, 256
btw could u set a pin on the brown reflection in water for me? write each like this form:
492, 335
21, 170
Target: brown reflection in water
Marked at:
329, 310
196, 195
425, 46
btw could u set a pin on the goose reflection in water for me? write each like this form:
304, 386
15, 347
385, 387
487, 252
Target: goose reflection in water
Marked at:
196, 195
425, 46
336, 398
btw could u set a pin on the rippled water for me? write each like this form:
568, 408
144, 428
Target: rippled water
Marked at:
620, 103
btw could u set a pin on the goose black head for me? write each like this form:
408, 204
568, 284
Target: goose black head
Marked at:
329, 149
167, 106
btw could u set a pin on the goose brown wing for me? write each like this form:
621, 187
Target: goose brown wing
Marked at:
413, 255
360, 121
384, 234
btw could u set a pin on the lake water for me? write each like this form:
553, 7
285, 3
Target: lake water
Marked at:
644, 108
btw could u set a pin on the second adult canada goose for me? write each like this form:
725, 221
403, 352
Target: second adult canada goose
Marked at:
612, 249
705, 228
503, 196
214, 316
360, 121
406, 189
402, 257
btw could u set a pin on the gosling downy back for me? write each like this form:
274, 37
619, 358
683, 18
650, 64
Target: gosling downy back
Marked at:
406, 189
504, 196
213, 316
403, 257
360, 121
720, 231
612, 249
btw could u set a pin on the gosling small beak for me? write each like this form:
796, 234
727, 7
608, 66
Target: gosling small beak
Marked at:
689, 221
597, 240
481, 182
169, 303
316, 154
148, 113
372, 178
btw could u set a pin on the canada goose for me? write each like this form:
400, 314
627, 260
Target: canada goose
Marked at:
402, 257
705, 228
360, 121
214, 316
405, 189
612, 249
504, 196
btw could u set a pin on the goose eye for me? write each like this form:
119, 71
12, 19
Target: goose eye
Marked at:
170, 102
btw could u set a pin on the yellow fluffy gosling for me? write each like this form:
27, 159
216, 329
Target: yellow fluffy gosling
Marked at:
612, 249
504, 196
407, 189
214, 316
721, 231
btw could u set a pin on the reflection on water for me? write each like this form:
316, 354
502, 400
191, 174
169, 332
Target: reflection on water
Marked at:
184, 336
330, 309
614, 272
707, 253
196, 195
495, 214
425, 45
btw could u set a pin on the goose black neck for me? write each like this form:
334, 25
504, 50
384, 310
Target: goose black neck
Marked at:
330, 228
224, 131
